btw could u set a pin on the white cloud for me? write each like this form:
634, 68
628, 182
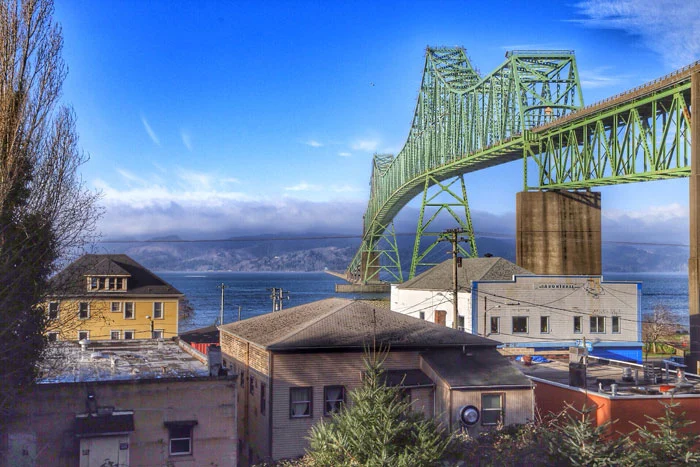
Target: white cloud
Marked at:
651, 215
670, 28
313, 143
149, 130
159, 167
344, 154
230, 180
303, 186
344, 189
186, 139
130, 176
365, 145
192, 178
600, 78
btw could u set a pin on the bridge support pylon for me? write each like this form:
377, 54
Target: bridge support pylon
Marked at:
558, 232
693, 361
434, 194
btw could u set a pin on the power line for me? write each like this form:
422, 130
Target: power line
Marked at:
357, 236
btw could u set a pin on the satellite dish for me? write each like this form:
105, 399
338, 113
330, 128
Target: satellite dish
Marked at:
469, 415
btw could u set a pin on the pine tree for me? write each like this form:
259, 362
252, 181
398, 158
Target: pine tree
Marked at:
665, 444
377, 428
582, 443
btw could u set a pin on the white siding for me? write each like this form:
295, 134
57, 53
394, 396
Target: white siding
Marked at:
412, 302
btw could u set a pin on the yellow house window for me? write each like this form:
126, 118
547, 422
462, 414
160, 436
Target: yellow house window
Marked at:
53, 310
129, 310
128, 335
157, 310
94, 283
116, 307
115, 335
83, 335
52, 336
84, 310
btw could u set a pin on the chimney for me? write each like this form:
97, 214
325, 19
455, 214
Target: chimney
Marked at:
214, 360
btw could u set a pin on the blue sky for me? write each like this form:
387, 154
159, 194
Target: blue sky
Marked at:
207, 119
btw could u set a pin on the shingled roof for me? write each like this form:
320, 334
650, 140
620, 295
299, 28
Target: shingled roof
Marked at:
473, 269
347, 324
475, 368
71, 281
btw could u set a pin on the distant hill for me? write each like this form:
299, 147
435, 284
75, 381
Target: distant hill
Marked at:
302, 254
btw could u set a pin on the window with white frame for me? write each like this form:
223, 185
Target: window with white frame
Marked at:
519, 324
495, 325
616, 325
544, 324
115, 335
129, 310
53, 310
180, 437
334, 397
83, 335
300, 402
460, 323
115, 307
491, 409
94, 283
157, 334
577, 325
157, 310
597, 324
421, 314
83, 310
52, 336
128, 335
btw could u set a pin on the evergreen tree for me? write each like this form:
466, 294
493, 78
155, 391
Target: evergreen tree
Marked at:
377, 428
665, 443
582, 443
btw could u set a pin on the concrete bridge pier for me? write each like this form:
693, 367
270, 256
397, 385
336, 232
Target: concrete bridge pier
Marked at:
558, 232
693, 361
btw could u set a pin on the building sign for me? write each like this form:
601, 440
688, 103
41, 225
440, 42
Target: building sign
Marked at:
559, 286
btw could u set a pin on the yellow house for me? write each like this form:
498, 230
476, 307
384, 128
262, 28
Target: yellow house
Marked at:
111, 297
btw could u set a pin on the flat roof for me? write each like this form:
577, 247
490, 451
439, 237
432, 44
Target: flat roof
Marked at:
611, 371
66, 362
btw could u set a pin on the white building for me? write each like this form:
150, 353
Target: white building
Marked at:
502, 301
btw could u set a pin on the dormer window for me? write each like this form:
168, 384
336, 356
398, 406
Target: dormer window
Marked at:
112, 284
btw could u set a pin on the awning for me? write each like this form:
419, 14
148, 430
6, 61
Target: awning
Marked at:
115, 423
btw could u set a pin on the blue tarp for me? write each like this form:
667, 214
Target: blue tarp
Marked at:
535, 359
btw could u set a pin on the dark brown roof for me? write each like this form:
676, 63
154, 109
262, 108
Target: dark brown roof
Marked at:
346, 324
87, 425
71, 281
475, 368
407, 378
207, 335
473, 269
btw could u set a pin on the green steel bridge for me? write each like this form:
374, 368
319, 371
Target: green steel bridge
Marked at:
530, 108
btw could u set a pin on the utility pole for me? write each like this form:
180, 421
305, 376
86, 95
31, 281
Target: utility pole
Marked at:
278, 297
223, 287
452, 236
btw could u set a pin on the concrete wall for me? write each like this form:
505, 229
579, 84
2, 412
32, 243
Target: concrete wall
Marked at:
413, 302
624, 411
48, 415
559, 232
559, 299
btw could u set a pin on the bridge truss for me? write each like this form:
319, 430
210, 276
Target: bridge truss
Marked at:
529, 108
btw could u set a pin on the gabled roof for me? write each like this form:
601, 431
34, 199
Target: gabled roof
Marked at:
475, 368
473, 269
337, 323
72, 280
